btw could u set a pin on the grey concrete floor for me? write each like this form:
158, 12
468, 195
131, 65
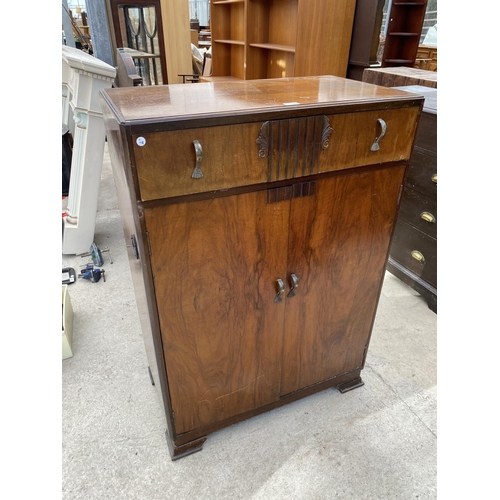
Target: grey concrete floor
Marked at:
376, 442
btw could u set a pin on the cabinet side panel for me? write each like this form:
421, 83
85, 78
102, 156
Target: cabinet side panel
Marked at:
339, 241
118, 148
216, 264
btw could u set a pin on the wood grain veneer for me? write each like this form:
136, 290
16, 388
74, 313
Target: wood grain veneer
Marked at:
257, 283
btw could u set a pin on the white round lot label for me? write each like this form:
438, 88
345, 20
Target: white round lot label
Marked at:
140, 141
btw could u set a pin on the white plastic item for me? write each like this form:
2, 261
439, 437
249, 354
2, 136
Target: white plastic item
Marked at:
67, 324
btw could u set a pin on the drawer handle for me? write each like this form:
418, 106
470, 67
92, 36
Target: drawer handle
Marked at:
428, 217
434, 178
383, 125
418, 256
197, 173
281, 290
294, 285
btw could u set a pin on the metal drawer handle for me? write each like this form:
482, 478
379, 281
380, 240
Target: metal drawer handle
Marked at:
383, 125
281, 290
294, 285
434, 178
197, 173
418, 256
428, 217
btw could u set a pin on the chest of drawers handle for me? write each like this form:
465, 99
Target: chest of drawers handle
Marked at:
428, 217
383, 125
434, 178
418, 256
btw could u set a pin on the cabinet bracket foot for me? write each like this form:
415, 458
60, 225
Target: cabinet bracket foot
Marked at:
350, 385
179, 451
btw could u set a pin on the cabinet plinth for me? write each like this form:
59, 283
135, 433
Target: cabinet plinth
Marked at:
260, 215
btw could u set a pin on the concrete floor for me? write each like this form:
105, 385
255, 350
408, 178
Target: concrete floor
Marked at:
375, 442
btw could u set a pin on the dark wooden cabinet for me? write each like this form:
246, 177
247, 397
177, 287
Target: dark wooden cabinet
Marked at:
404, 28
365, 38
413, 256
259, 216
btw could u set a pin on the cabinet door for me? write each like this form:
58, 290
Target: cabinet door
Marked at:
338, 244
215, 265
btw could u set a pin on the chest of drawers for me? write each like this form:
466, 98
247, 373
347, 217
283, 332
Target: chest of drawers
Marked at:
258, 217
413, 256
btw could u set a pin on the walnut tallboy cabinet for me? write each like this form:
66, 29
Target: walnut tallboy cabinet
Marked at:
258, 217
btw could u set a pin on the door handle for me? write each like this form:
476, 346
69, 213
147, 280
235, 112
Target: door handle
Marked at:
281, 290
294, 283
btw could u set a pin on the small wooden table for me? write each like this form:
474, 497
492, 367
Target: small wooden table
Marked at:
400, 76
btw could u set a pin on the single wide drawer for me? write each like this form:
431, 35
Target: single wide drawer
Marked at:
217, 158
415, 251
420, 211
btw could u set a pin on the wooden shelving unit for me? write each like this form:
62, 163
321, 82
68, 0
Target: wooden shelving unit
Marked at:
258, 39
227, 24
403, 33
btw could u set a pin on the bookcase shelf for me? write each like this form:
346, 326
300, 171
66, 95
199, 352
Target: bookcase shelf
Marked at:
233, 42
273, 46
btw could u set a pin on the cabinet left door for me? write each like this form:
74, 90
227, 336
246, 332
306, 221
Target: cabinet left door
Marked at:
216, 265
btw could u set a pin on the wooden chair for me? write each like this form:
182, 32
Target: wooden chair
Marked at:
126, 72
200, 67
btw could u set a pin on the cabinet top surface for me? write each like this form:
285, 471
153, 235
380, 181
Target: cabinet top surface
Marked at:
430, 94
183, 101
423, 74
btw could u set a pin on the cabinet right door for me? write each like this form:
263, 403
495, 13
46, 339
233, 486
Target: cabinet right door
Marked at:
338, 244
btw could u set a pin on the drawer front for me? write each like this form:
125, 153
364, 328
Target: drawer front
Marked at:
253, 153
409, 245
355, 134
423, 174
166, 161
313, 145
420, 211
